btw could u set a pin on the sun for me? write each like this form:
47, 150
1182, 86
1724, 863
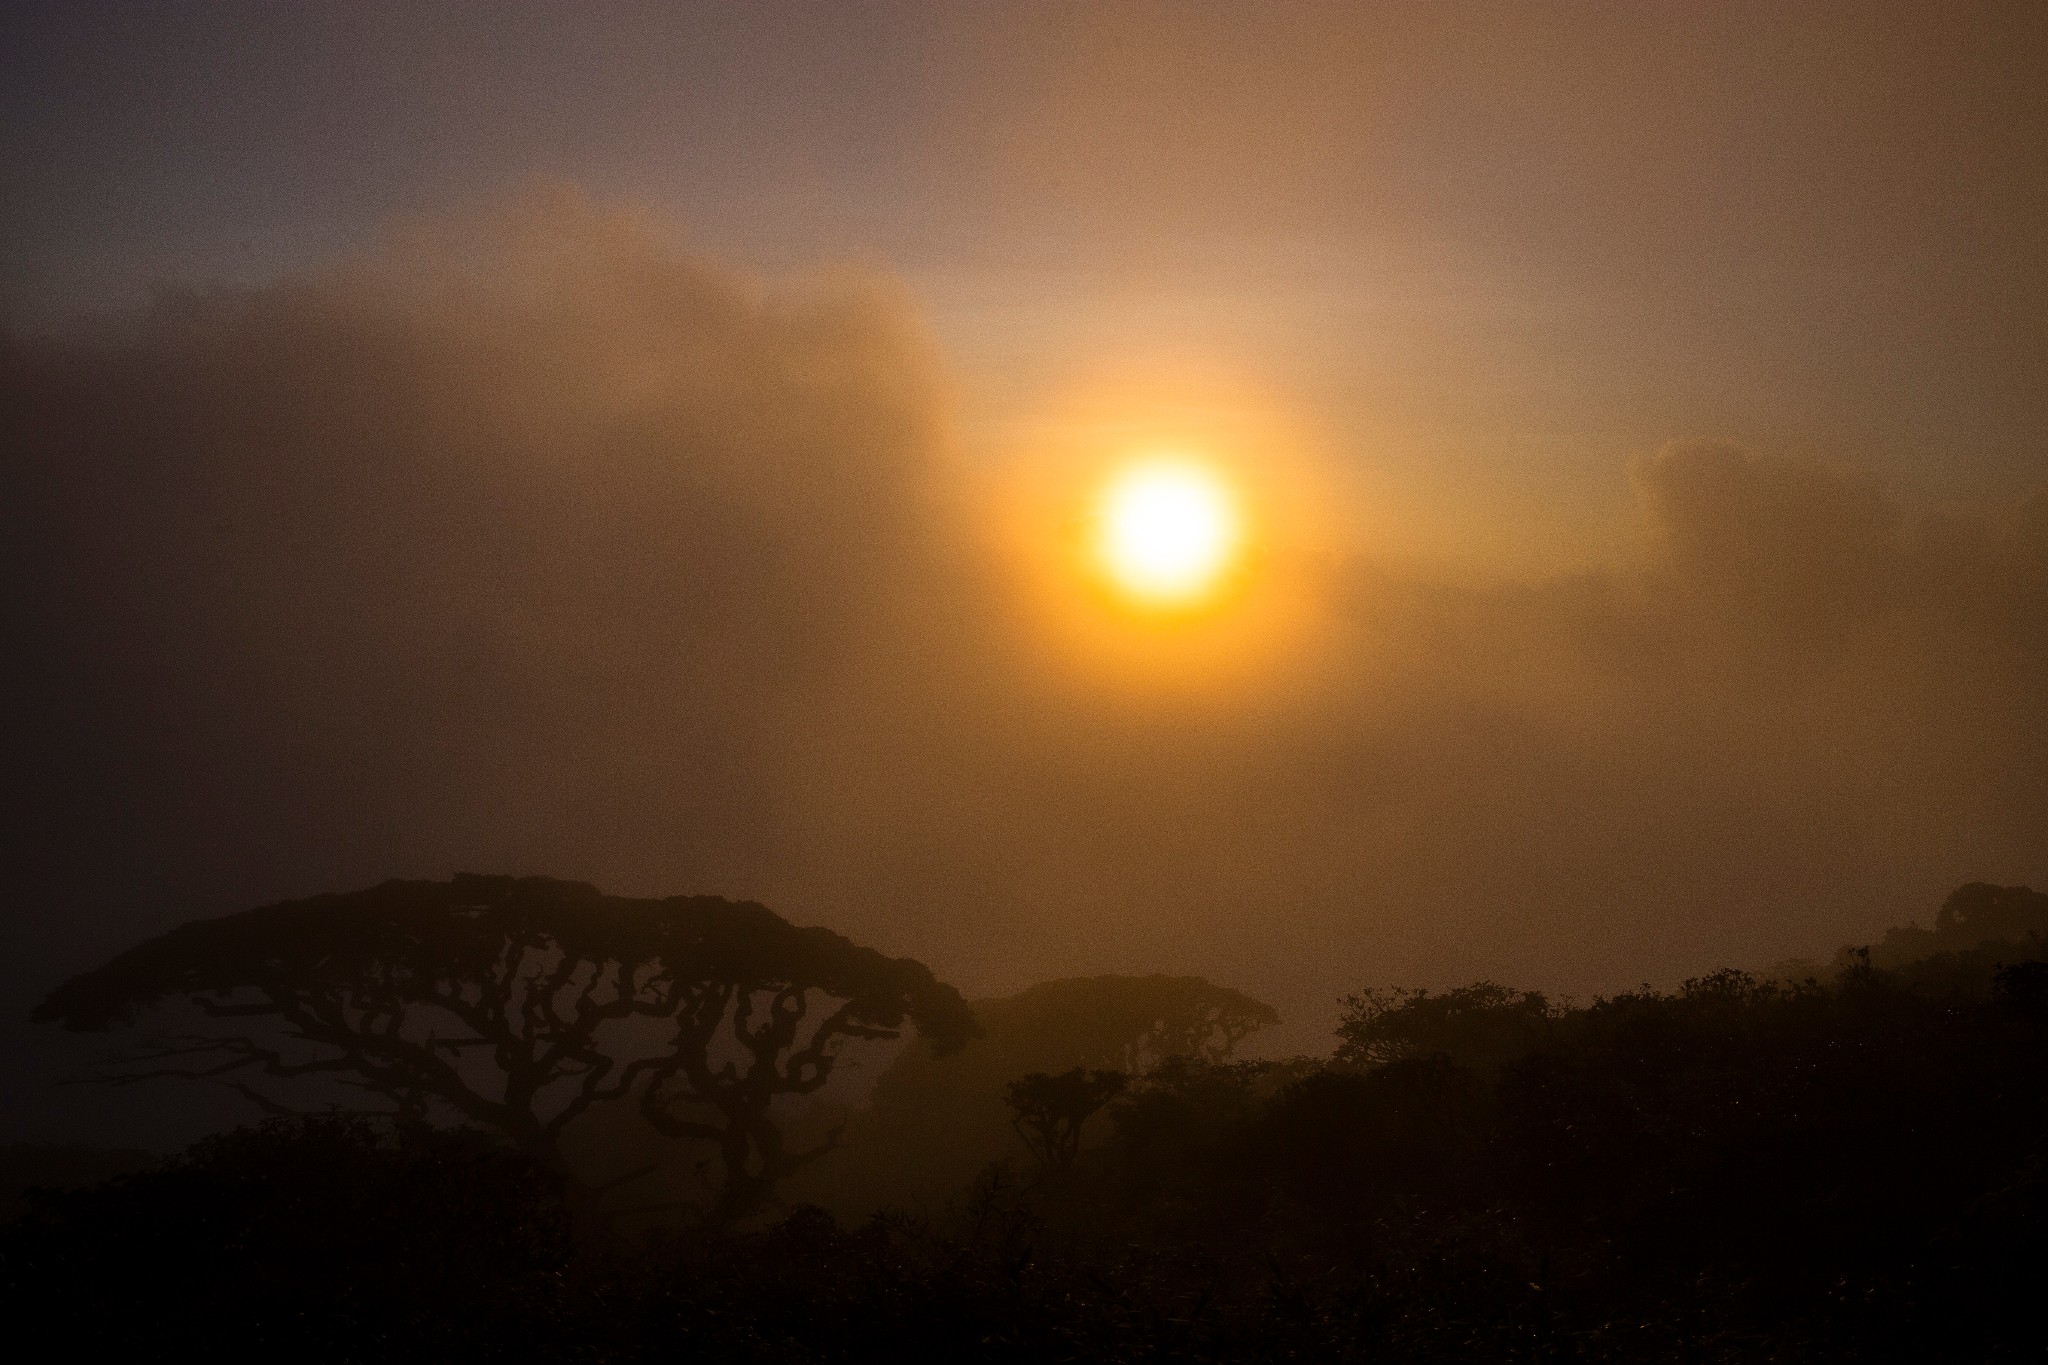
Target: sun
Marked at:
1167, 530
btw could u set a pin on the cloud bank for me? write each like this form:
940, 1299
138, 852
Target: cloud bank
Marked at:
532, 543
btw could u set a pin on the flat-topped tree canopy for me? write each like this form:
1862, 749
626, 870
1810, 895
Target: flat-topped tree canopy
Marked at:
405, 989
413, 934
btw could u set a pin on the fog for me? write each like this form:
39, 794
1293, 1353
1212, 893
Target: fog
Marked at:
531, 541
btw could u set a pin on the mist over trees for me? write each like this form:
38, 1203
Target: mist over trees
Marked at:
933, 1121
1051, 1110
518, 1004
1386, 665
1747, 1168
1977, 922
530, 538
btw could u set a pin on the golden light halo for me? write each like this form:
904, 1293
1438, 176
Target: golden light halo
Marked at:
1167, 529
1195, 625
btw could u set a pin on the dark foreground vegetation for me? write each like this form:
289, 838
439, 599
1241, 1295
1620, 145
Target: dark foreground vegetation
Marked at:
1745, 1169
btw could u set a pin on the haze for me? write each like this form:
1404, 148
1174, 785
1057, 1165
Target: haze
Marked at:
645, 445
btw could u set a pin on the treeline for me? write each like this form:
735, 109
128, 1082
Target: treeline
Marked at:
1741, 1164
1749, 1168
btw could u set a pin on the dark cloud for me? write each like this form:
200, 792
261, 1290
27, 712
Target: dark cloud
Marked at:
532, 543
514, 544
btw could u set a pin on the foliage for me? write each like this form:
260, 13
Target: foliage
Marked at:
1740, 1170
1736, 1171
935, 1120
25, 1167
1126, 1023
1479, 1026
1050, 1110
1978, 928
1836, 1169
1976, 913
330, 1238
521, 1003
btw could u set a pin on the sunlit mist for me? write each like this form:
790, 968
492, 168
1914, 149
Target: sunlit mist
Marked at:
710, 658
1168, 529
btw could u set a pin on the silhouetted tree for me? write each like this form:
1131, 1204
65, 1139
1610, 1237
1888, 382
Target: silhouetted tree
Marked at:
1741, 1169
1478, 1026
1975, 913
1051, 1110
1343, 1143
934, 1121
1184, 1125
520, 1003
1130, 1023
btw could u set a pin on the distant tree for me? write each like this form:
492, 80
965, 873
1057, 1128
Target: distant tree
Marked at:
1975, 913
1478, 1026
1051, 1110
521, 1003
934, 1121
1127, 1023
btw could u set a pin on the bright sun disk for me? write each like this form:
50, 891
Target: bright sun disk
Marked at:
1168, 529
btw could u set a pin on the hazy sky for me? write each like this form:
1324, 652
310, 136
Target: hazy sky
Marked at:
1489, 250
631, 442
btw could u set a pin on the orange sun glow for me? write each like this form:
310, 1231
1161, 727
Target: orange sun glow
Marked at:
1166, 531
